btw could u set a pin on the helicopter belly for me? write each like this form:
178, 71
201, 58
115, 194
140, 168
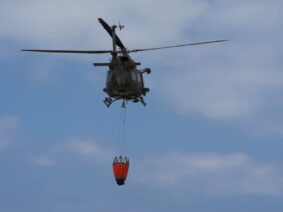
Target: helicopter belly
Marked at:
123, 91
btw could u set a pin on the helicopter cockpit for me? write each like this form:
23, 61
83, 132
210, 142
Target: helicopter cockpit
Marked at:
124, 85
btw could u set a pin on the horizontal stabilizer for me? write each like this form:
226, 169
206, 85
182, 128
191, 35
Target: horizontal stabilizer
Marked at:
107, 64
101, 64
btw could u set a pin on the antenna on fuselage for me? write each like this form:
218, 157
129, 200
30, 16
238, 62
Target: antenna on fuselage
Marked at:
121, 26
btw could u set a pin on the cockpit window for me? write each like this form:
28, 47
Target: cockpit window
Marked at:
138, 77
134, 76
109, 76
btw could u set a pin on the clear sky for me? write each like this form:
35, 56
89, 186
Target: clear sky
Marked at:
210, 138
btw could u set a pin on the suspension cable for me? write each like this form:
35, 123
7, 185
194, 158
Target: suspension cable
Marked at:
123, 124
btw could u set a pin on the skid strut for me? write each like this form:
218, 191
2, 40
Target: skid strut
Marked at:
108, 101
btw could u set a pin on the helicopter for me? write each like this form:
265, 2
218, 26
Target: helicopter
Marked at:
124, 81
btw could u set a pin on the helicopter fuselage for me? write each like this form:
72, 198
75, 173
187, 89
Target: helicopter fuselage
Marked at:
124, 80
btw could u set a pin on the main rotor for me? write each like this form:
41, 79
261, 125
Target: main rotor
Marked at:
117, 42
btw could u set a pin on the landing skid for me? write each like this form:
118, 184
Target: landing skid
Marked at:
108, 101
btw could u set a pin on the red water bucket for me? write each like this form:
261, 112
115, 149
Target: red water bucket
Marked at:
120, 169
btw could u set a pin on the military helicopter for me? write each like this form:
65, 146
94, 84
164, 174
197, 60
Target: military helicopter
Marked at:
124, 80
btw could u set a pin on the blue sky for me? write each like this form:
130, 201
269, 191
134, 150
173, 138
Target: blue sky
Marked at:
209, 139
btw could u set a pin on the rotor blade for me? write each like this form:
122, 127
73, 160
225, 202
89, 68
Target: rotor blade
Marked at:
68, 51
109, 30
182, 45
